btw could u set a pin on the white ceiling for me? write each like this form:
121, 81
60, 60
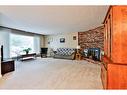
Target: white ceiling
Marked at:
52, 19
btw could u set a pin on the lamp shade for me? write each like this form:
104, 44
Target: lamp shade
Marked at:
78, 47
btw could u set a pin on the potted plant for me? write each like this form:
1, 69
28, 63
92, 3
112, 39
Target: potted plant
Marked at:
27, 50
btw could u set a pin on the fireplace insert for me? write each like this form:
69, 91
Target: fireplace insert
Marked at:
93, 53
44, 52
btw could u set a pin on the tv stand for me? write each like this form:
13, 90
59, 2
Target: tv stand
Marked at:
7, 66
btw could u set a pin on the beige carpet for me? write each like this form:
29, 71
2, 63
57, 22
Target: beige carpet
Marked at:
48, 73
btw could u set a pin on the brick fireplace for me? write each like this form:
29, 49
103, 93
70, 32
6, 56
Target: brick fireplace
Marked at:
93, 38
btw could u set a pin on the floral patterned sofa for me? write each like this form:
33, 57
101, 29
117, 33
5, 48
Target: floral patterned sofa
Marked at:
65, 53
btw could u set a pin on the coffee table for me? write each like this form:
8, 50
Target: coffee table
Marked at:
28, 56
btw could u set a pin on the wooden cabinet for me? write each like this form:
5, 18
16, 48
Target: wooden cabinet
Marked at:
114, 67
7, 66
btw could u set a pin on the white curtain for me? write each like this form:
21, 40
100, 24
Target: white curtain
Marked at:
37, 44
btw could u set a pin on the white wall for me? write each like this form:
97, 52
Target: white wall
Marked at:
55, 40
4, 40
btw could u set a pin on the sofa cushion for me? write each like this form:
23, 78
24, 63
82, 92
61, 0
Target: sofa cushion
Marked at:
65, 51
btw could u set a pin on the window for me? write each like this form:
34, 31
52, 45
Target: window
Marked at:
20, 42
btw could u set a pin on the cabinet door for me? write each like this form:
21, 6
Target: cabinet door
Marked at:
123, 11
119, 51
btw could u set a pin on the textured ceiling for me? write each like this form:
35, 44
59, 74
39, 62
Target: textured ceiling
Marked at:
52, 19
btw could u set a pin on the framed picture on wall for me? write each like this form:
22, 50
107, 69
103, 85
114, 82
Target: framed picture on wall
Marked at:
74, 37
62, 40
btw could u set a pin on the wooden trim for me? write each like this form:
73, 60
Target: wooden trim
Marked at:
106, 14
104, 65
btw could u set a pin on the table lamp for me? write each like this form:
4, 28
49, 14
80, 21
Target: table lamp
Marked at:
78, 47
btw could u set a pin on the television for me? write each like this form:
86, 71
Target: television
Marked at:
2, 53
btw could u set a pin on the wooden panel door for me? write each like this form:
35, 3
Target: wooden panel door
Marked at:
123, 11
119, 34
117, 76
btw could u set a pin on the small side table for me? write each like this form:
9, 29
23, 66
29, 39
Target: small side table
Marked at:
78, 56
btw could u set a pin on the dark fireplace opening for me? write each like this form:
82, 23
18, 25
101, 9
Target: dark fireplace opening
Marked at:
93, 53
